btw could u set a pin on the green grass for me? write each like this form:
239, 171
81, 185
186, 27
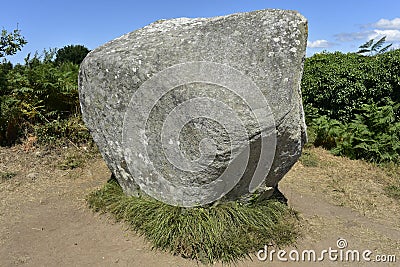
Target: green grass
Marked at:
76, 157
393, 171
4, 176
309, 159
393, 191
225, 233
71, 161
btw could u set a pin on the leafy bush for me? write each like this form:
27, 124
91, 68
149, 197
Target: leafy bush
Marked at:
36, 93
327, 132
44, 89
337, 84
372, 135
62, 132
352, 104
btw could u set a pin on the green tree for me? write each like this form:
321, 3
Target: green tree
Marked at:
372, 48
11, 42
71, 53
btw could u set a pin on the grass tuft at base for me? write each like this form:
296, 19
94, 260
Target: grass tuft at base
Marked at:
225, 233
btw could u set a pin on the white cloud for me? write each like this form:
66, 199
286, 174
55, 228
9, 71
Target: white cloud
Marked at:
352, 36
376, 30
387, 24
318, 44
383, 27
391, 35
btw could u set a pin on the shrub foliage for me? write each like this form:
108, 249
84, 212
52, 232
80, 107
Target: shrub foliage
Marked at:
37, 93
352, 104
337, 84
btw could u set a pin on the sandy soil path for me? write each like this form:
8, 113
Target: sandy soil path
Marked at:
44, 220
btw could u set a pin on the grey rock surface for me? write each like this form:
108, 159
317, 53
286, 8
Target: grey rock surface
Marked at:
265, 48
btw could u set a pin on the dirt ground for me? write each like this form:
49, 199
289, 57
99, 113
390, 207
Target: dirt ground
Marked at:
44, 220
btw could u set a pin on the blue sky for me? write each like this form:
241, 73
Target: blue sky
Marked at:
333, 25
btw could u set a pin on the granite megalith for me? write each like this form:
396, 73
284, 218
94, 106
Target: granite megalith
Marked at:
194, 111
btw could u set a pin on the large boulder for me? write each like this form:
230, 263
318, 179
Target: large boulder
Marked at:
193, 111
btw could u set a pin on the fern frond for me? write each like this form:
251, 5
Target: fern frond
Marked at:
362, 51
378, 44
383, 50
367, 44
